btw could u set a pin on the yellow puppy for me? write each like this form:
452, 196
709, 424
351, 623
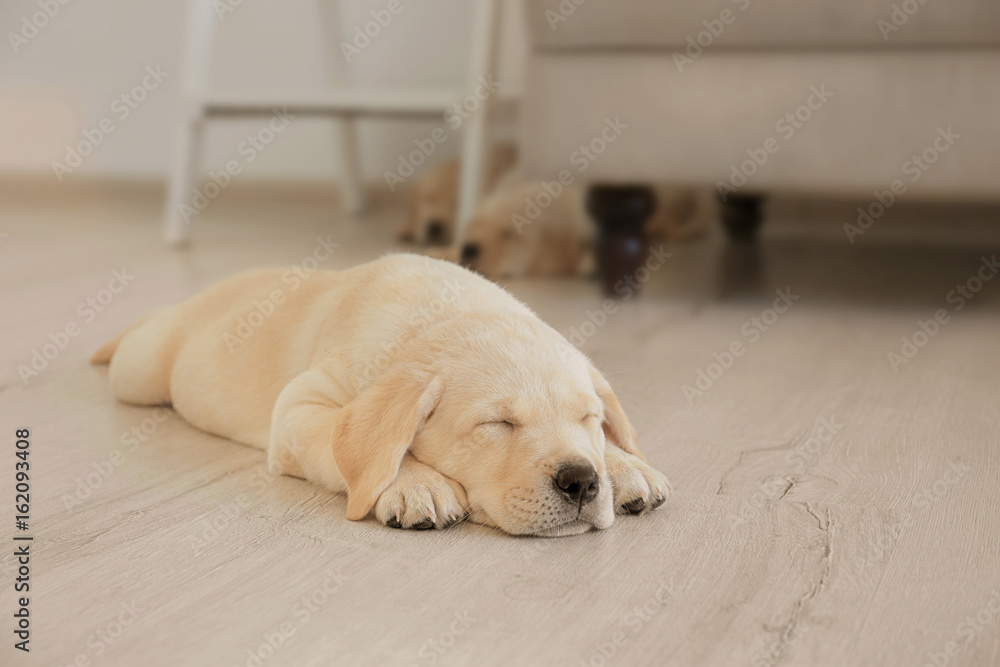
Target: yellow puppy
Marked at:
434, 198
534, 229
421, 389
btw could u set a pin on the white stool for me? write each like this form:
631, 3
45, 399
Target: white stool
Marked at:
343, 104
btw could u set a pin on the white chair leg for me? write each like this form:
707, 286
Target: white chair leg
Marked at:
475, 136
196, 56
475, 151
352, 190
180, 210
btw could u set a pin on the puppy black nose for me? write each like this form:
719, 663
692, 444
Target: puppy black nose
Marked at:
435, 231
579, 483
470, 251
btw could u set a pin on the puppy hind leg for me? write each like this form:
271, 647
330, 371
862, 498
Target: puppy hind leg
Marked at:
142, 361
303, 425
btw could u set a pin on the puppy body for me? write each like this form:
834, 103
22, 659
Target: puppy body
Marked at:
421, 389
527, 230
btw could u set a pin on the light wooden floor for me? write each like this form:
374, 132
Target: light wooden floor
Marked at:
828, 510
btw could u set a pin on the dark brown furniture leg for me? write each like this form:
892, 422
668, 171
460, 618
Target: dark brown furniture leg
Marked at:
742, 217
741, 271
620, 246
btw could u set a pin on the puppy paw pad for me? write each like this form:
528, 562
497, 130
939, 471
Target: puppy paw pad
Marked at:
638, 487
635, 507
426, 524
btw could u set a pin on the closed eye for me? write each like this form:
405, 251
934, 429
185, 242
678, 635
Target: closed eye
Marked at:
591, 415
499, 422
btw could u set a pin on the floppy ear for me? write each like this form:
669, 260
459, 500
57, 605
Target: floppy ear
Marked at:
617, 428
375, 430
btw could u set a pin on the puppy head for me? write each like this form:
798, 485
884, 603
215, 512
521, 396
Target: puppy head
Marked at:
433, 205
525, 231
505, 406
521, 423
492, 246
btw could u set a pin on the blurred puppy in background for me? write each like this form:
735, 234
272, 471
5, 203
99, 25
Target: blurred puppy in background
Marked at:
528, 229
434, 199
524, 231
512, 236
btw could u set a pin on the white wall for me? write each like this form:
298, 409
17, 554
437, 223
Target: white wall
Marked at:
65, 79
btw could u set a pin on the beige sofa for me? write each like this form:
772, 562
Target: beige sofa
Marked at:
852, 97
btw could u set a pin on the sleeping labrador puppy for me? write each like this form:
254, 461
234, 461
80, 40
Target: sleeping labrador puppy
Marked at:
421, 389
525, 231
433, 203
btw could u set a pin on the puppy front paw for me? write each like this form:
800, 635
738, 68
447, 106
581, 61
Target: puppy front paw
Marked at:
638, 487
421, 498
